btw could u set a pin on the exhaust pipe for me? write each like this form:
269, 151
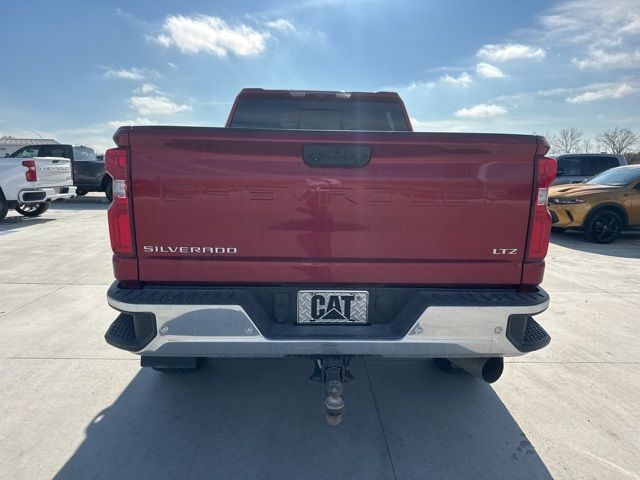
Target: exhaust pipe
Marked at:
488, 369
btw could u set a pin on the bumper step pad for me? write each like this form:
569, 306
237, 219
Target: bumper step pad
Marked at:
131, 331
526, 334
535, 337
121, 331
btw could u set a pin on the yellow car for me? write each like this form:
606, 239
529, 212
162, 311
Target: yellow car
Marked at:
602, 206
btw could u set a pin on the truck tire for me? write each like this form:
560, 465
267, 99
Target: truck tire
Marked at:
4, 207
108, 190
604, 227
32, 209
81, 193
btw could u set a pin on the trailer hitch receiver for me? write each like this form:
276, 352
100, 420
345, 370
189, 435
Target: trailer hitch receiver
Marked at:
333, 371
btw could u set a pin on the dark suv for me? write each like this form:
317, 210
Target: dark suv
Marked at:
578, 167
89, 174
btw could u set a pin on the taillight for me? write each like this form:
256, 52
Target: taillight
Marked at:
31, 175
119, 214
540, 229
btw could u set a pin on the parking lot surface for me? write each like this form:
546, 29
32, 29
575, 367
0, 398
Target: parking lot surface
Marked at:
76, 408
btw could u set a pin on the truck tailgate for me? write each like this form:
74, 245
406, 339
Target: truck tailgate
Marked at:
53, 172
215, 205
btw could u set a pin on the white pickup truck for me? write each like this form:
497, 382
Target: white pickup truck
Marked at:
29, 185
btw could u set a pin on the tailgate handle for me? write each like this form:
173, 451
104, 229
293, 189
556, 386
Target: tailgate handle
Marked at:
336, 155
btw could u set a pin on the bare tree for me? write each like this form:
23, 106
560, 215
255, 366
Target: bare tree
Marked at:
632, 158
569, 140
587, 145
618, 140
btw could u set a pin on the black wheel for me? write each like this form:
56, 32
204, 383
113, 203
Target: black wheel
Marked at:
445, 365
199, 363
81, 193
558, 229
604, 227
32, 209
108, 190
4, 207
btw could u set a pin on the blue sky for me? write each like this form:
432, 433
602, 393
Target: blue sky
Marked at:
75, 70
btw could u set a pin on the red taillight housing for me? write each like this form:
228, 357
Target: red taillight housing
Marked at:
31, 175
540, 229
119, 214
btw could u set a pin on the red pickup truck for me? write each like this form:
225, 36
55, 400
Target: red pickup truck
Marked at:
317, 224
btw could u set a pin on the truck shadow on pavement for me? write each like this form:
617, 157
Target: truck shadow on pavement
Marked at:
626, 246
88, 202
263, 419
11, 223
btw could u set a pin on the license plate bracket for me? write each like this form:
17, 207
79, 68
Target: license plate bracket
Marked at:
332, 307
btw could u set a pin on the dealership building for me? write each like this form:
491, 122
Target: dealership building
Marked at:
9, 144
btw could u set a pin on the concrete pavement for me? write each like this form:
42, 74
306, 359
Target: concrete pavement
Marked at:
75, 408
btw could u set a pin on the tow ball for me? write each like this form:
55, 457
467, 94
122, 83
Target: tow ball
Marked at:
333, 371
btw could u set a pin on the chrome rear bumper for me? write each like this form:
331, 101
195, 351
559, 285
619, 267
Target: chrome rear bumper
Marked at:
60, 193
46, 194
197, 328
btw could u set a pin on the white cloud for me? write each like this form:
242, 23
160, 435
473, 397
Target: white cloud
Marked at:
172, 65
122, 14
420, 85
599, 59
593, 22
482, 110
486, 70
552, 92
631, 28
202, 33
282, 25
157, 105
606, 29
463, 80
510, 51
444, 68
131, 74
146, 88
617, 91
585, 93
